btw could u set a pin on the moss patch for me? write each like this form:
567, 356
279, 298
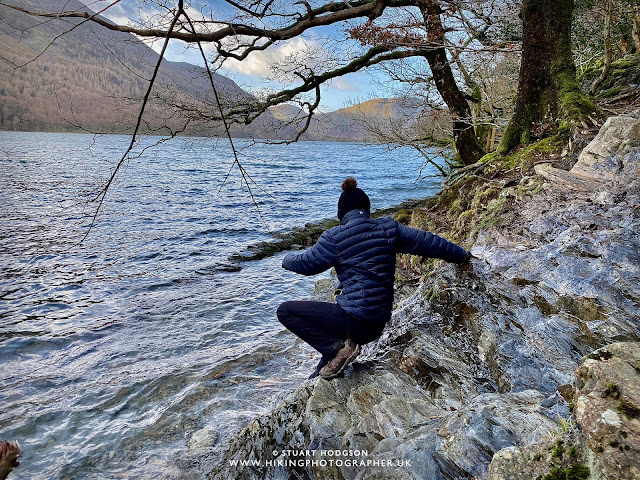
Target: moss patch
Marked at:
403, 216
558, 449
623, 73
612, 391
524, 158
561, 470
601, 355
577, 472
626, 408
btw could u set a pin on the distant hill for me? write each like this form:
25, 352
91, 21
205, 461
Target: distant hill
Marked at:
286, 112
358, 122
396, 108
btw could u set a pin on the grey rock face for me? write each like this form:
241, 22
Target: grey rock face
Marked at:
386, 417
612, 158
608, 408
475, 361
604, 158
606, 443
202, 440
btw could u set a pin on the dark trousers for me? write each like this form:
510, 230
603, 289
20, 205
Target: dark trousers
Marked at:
325, 325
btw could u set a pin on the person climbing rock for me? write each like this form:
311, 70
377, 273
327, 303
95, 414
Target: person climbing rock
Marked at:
363, 251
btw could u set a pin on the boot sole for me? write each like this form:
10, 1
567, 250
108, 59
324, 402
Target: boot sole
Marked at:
355, 353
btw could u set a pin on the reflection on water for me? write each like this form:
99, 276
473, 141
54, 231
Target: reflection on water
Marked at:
115, 351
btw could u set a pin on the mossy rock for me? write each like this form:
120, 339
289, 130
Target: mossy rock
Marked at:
573, 472
524, 158
475, 200
565, 458
403, 216
471, 204
623, 73
612, 92
483, 196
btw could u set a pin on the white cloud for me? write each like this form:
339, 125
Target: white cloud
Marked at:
195, 14
153, 17
342, 84
261, 63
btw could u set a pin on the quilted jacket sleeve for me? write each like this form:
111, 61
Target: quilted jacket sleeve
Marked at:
426, 244
322, 256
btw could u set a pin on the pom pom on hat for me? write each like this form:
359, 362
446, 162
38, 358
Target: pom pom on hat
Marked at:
349, 184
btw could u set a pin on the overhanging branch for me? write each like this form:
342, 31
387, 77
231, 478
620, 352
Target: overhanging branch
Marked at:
373, 56
328, 14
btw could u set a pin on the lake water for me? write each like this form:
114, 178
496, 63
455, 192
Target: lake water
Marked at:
115, 351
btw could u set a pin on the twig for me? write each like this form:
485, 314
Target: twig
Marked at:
245, 176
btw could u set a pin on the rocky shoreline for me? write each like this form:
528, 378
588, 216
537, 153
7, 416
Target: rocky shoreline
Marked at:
524, 364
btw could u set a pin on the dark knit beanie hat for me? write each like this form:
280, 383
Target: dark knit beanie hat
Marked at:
352, 198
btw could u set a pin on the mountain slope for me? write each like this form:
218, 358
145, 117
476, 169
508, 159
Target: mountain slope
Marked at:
393, 108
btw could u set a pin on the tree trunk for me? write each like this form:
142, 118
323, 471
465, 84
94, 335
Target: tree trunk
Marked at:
491, 139
464, 135
635, 32
624, 44
607, 49
547, 87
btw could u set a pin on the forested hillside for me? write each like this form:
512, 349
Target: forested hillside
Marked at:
93, 79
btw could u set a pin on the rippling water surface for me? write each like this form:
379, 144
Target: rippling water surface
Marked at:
115, 351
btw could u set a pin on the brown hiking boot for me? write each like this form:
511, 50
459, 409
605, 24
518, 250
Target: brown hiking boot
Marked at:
344, 356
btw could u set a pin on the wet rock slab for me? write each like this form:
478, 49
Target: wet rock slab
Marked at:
389, 421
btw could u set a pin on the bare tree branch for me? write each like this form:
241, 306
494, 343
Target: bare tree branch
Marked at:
328, 14
260, 14
373, 56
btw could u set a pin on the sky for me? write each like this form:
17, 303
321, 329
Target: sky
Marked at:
251, 73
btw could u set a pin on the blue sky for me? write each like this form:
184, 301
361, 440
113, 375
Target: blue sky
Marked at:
250, 73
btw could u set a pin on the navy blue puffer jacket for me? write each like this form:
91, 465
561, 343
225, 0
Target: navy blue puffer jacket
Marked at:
363, 251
